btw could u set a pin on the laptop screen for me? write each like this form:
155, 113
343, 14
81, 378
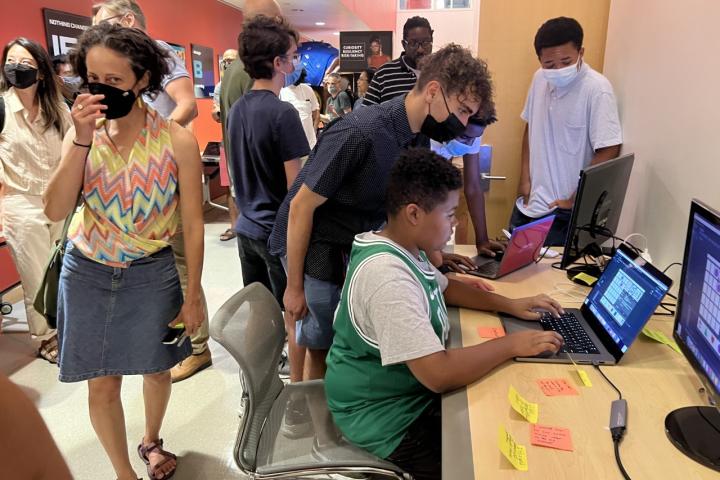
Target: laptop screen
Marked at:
624, 297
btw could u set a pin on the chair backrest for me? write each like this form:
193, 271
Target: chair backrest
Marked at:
250, 326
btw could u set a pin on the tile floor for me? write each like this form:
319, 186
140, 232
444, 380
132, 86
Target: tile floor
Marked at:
202, 420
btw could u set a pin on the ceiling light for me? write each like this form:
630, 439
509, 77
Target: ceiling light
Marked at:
320, 24
336, 33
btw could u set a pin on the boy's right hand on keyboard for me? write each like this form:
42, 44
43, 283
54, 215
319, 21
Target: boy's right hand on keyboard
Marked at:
528, 343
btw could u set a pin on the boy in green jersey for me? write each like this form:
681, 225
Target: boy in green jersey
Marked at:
388, 362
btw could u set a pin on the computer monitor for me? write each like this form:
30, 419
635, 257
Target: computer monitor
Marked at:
596, 213
696, 430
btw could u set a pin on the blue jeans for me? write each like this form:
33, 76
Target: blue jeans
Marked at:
558, 231
258, 265
315, 331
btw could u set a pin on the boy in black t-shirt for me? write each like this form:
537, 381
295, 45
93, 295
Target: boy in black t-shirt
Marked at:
268, 141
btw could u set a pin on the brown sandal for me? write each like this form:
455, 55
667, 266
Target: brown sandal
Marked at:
228, 234
145, 450
49, 349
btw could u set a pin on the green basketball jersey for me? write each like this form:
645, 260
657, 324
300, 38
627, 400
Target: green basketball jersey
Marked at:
373, 405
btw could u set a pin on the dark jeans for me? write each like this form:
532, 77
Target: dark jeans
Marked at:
558, 231
420, 452
258, 265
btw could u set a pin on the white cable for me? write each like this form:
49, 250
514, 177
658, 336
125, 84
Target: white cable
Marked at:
627, 240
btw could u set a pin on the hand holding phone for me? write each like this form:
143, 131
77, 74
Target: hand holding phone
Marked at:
175, 335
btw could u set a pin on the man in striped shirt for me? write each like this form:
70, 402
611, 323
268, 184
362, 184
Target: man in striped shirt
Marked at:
398, 77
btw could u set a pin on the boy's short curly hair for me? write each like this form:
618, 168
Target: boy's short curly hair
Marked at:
261, 40
422, 177
144, 54
459, 73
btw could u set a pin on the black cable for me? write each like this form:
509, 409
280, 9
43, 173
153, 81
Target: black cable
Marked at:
617, 433
616, 443
597, 367
671, 265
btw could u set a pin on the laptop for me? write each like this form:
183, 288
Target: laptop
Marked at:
613, 314
522, 249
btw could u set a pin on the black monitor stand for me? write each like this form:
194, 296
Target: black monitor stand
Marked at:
590, 249
695, 431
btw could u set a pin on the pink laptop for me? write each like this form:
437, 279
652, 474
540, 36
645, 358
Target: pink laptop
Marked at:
523, 248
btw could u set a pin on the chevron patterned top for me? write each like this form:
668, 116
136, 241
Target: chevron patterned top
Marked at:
130, 209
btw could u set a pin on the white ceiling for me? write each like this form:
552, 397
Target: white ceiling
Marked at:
303, 14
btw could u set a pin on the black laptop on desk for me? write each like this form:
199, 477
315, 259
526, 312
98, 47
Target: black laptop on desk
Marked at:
613, 314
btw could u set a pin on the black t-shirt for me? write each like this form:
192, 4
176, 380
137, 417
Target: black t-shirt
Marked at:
265, 132
349, 166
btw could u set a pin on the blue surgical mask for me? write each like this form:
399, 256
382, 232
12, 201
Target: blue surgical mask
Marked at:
562, 77
457, 148
291, 78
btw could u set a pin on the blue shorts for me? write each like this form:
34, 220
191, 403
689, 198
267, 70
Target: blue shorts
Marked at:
315, 331
111, 321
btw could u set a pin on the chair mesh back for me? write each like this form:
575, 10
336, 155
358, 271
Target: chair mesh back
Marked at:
250, 326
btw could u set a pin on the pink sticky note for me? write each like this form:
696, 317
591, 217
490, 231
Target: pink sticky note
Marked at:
491, 332
551, 437
553, 387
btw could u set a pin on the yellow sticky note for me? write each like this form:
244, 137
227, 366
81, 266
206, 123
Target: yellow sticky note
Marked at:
515, 453
585, 278
523, 407
584, 378
660, 337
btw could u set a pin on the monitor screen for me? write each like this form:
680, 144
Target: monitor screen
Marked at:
697, 324
625, 297
598, 203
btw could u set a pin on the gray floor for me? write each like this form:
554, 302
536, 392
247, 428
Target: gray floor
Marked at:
201, 423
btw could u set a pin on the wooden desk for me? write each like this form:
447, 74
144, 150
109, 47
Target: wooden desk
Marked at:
652, 377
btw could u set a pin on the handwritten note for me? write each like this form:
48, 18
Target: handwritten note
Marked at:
515, 453
660, 337
527, 409
588, 280
552, 437
491, 332
554, 387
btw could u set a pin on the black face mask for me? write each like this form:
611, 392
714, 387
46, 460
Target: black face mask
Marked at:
442, 131
118, 102
21, 76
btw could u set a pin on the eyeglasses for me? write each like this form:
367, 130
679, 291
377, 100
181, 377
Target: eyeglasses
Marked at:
425, 44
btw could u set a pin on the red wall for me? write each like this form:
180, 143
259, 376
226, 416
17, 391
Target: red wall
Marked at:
205, 22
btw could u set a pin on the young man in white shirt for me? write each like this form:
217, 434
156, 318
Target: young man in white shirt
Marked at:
572, 122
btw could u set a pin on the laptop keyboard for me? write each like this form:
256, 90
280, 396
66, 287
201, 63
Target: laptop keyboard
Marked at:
575, 336
489, 268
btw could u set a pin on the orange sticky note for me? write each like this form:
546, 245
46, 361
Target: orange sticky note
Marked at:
491, 332
554, 387
551, 437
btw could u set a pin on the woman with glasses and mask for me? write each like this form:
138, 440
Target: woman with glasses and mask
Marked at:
35, 121
138, 174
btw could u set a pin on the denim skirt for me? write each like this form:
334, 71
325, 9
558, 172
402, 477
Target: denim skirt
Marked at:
111, 321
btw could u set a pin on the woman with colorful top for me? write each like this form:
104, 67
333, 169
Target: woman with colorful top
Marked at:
119, 288
35, 121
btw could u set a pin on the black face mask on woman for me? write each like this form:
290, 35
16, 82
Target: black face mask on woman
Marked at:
443, 131
21, 76
119, 102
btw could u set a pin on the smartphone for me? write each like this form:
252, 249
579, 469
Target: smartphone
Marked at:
175, 335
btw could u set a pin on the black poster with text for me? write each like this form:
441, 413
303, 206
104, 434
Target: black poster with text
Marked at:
62, 30
203, 70
362, 50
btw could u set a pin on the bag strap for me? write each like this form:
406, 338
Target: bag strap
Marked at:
68, 221
2, 113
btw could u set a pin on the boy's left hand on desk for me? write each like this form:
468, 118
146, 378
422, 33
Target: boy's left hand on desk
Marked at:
527, 308
475, 283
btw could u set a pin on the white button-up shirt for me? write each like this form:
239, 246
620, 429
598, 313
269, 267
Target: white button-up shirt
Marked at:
29, 154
